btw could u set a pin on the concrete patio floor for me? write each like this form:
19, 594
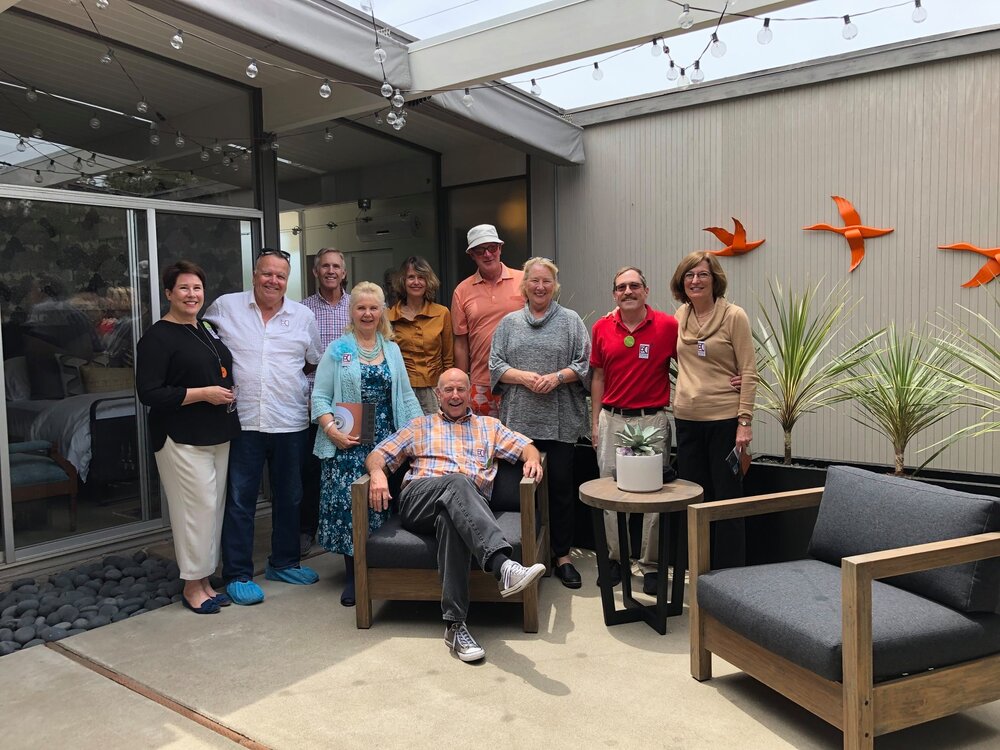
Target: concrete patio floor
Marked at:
294, 672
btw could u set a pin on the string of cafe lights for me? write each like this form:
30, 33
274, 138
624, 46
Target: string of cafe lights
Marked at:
395, 114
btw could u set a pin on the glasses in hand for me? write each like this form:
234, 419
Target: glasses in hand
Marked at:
231, 406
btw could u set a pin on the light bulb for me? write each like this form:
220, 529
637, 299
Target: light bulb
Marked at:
177, 40
685, 20
37, 133
52, 165
386, 89
718, 46
252, 69
154, 136
672, 73
21, 145
656, 50
390, 117
536, 90
77, 164
324, 89
226, 160
217, 148
598, 74
101, 4
245, 155
142, 106
38, 177
398, 124
682, 81
31, 95
467, 100
236, 166
765, 35
379, 55
95, 122
179, 141
327, 135
919, 12
378, 118
107, 57
92, 161
697, 75
850, 30
205, 156
274, 144
397, 99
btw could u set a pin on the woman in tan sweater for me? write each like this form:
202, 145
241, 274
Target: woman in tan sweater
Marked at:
712, 415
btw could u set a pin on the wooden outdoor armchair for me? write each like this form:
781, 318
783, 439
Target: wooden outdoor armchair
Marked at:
395, 563
878, 671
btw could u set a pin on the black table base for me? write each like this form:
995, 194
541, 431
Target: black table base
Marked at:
654, 615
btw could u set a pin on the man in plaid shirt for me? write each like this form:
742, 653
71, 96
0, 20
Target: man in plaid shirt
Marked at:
452, 458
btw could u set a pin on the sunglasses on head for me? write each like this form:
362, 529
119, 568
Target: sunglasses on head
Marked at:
272, 251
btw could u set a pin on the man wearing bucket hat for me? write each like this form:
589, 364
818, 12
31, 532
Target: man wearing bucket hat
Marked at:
477, 307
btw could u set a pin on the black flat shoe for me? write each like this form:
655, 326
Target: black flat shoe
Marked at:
209, 607
569, 575
347, 597
649, 583
616, 573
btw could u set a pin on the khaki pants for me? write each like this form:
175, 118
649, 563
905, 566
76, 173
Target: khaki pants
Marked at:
608, 424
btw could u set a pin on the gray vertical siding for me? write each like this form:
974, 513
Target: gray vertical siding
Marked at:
915, 148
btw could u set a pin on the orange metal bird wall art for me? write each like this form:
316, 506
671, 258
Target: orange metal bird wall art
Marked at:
853, 230
735, 242
990, 269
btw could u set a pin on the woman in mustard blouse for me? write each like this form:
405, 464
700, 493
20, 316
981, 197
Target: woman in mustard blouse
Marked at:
422, 329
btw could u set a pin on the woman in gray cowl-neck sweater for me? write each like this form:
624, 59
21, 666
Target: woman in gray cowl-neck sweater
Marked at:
539, 361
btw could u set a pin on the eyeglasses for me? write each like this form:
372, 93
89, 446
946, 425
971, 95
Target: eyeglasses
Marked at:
700, 275
632, 286
481, 250
271, 251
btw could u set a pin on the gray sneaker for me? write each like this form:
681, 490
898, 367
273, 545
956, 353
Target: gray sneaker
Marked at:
458, 638
514, 577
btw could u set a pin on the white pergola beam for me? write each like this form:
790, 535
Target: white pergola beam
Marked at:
553, 33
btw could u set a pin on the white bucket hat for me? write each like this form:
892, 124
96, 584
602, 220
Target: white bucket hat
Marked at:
482, 234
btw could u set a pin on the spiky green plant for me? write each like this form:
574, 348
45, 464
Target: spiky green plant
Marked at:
980, 353
790, 346
639, 440
904, 388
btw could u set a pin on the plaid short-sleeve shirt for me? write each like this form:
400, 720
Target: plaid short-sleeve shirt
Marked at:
436, 447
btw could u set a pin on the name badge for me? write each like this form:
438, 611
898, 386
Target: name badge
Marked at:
481, 453
210, 330
285, 322
701, 349
345, 360
643, 351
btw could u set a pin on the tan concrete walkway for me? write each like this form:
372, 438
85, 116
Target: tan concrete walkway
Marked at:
294, 672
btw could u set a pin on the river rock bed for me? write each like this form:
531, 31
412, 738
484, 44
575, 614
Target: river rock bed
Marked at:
85, 597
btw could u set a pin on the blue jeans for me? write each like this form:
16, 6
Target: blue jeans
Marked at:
285, 454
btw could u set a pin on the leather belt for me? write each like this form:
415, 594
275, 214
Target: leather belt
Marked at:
634, 412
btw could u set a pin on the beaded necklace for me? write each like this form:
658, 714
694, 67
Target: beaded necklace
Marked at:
368, 355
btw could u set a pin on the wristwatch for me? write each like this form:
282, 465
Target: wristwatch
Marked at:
560, 377
744, 422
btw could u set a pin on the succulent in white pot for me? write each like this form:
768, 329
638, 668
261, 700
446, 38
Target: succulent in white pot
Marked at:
639, 459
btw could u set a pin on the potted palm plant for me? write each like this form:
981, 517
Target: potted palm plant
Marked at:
908, 385
638, 460
795, 377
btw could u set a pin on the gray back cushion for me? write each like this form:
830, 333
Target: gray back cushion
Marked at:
865, 512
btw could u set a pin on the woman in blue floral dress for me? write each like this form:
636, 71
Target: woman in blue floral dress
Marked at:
362, 366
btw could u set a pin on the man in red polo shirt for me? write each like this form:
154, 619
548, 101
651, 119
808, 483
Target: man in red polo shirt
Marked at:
630, 384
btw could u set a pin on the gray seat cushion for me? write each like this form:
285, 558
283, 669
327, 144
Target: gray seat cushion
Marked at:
793, 609
865, 512
392, 546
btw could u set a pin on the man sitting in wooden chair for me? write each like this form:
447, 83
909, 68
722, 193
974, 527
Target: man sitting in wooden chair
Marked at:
452, 458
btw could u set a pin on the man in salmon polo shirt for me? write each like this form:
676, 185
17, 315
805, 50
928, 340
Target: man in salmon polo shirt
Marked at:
630, 384
477, 306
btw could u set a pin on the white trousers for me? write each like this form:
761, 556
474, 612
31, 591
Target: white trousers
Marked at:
194, 480
608, 424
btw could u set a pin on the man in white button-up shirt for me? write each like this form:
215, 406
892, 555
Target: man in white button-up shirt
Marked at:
273, 341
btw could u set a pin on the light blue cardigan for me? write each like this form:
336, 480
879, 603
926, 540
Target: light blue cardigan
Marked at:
338, 381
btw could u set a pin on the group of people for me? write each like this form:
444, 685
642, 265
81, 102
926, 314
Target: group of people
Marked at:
502, 375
